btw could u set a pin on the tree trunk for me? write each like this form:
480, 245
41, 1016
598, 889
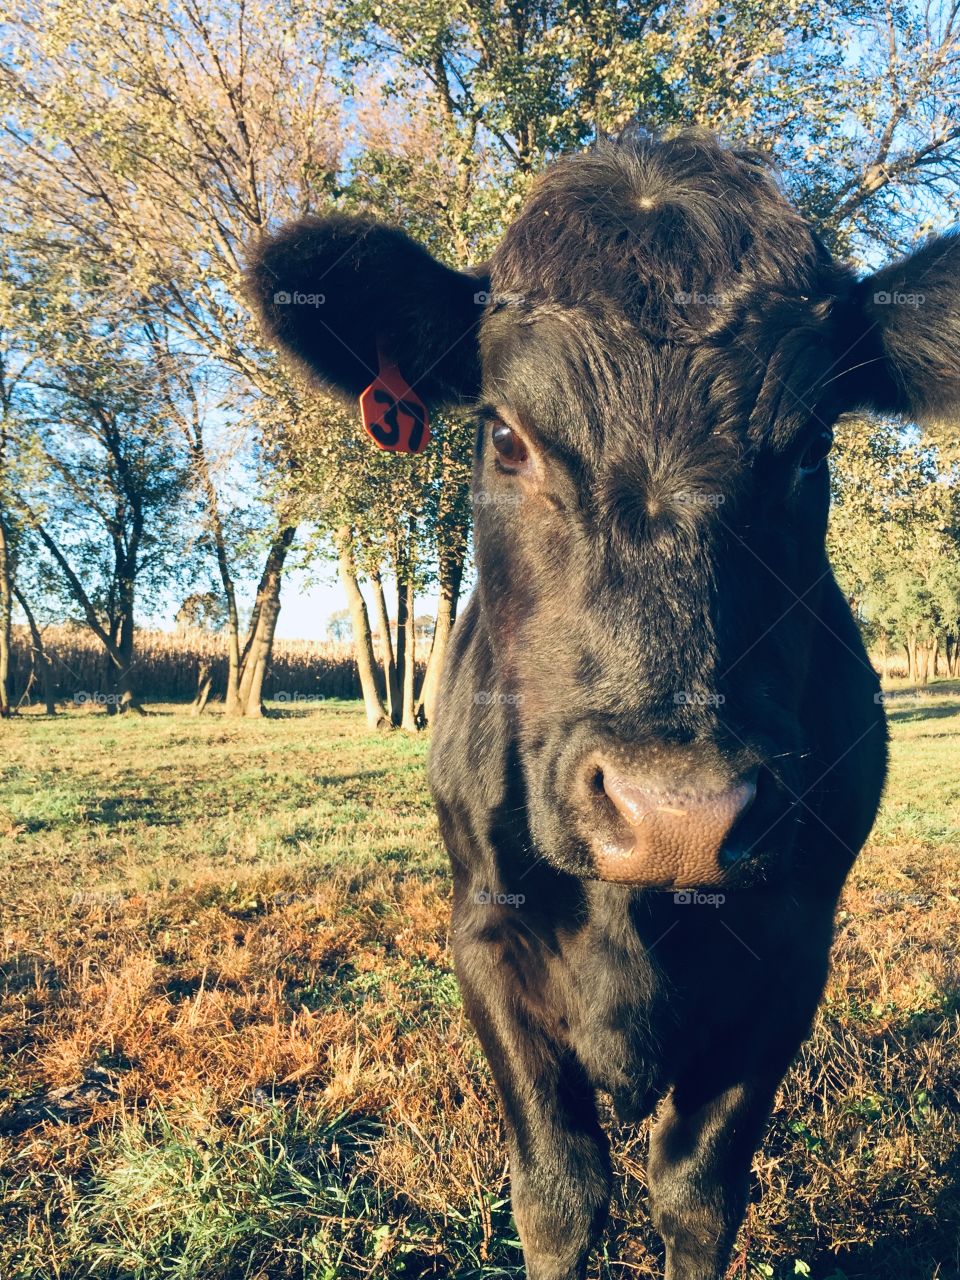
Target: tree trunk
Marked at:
254, 673
453, 536
409, 718
884, 655
451, 576
402, 605
911, 660
255, 659
41, 659
204, 687
6, 618
387, 660
934, 655
121, 659
231, 695
377, 716
923, 658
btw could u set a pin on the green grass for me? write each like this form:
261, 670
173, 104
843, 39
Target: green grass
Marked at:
145, 802
923, 796
233, 1047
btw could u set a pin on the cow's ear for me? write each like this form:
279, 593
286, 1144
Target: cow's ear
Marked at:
337, 294
897, 336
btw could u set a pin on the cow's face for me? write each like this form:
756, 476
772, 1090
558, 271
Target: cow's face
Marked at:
657, 357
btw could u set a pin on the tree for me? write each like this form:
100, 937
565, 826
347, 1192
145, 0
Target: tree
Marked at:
16, 405
895, 538
338, 626
107, 493
13, 366
859, 103
201, 611
184, 135
232, 531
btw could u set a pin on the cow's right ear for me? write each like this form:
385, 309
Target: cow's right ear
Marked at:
338, 294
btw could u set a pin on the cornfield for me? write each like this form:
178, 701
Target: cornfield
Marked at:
168, 664
167, 667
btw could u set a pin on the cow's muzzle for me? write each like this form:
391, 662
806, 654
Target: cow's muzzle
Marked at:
674, 836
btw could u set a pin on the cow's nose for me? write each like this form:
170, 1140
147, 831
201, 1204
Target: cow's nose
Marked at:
659, 838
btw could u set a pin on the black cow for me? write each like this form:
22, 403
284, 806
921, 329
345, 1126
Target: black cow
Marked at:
660, 744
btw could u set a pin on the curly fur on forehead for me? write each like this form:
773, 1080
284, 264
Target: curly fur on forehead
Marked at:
675, 233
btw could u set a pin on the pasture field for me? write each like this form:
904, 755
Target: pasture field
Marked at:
232, 1045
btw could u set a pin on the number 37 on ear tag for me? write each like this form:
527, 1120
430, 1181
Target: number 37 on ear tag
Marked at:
393, 414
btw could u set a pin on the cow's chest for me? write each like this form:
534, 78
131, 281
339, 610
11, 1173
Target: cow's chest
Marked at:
653, 988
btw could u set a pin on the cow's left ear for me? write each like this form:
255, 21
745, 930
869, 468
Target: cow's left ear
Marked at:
897, 336
338, 294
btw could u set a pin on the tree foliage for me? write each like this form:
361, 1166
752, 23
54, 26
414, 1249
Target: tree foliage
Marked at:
895, 538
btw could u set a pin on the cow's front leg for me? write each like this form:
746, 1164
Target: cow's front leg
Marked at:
559, 1163
698, 1174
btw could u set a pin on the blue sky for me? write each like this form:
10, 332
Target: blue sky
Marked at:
306, 604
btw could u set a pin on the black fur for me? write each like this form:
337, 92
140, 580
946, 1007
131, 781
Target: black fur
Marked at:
372, 286
906, 317
673, 341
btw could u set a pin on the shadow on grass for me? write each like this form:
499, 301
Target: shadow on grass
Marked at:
935, 688
917, 713
114, 811
356, 775
931, 1247
307, 708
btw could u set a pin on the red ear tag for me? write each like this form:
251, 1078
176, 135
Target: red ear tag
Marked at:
394, 415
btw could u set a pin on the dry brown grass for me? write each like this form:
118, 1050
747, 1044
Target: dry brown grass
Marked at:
233, 1047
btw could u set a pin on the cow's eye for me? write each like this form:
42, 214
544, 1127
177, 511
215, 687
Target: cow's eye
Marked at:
815, 453
510, 448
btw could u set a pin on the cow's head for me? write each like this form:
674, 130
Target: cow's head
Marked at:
658, 353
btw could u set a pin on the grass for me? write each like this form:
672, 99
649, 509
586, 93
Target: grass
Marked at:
233, 1048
